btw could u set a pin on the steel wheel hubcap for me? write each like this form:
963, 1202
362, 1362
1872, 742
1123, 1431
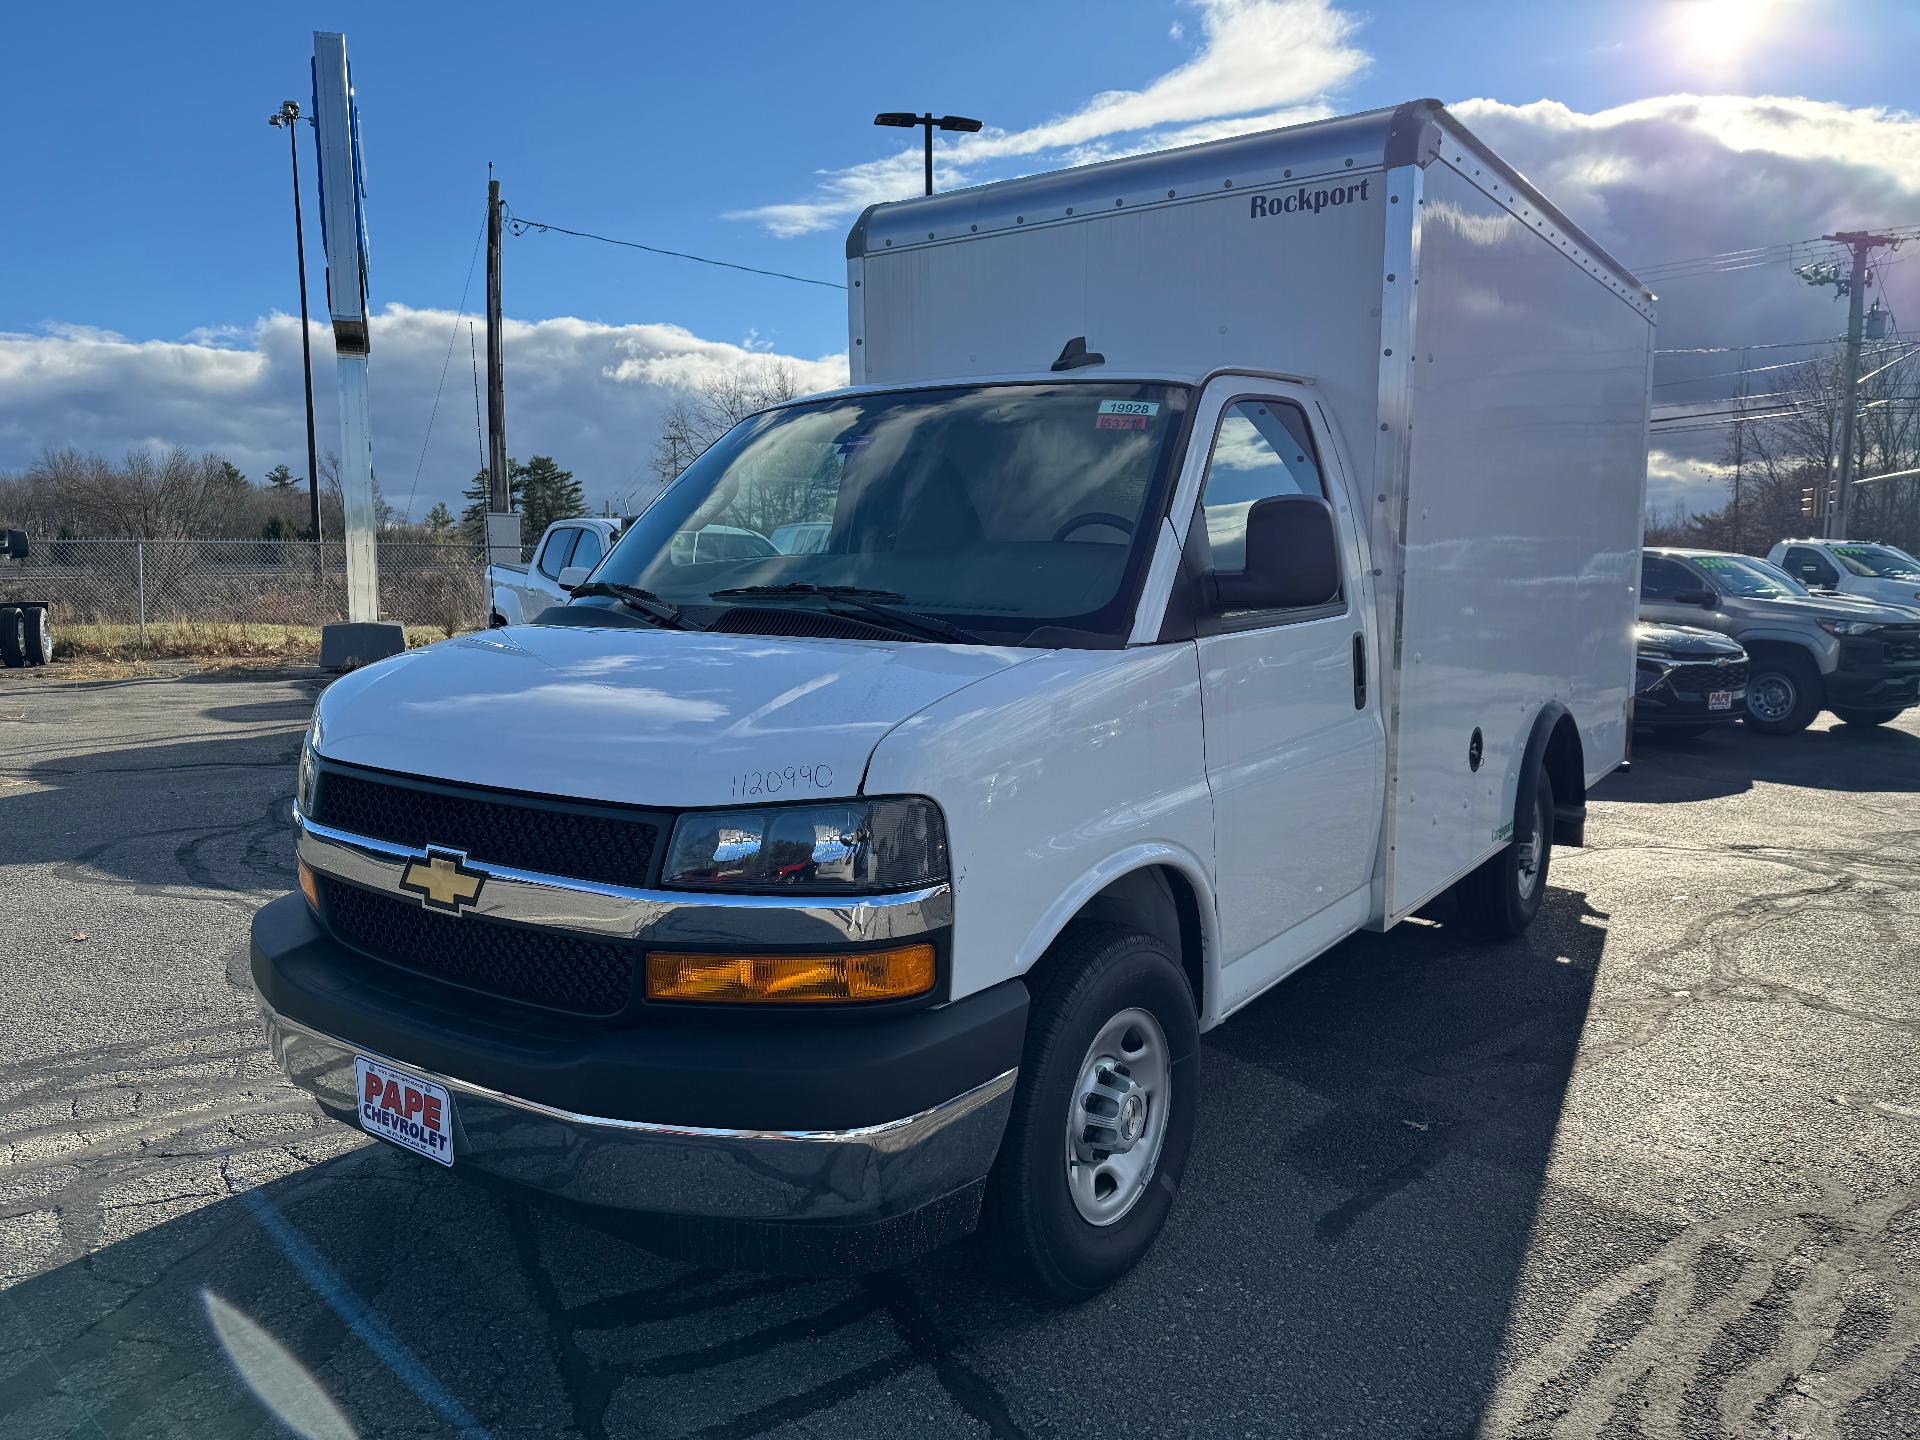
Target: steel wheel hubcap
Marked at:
1771, 698
1117, 1116
1527, 871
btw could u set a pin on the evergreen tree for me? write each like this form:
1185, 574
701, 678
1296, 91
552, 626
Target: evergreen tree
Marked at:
280, 479
540, 490
440, 520
548, 494
473, 519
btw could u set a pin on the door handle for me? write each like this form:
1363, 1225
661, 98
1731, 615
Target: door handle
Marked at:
1359, 672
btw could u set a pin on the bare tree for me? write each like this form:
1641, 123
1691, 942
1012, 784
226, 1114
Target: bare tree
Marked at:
718, 403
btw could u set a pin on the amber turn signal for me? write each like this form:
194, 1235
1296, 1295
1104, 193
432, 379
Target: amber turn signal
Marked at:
309, 886
790, 979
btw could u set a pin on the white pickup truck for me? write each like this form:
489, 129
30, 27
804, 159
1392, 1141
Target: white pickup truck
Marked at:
517, 593
1852, 567
1218, 552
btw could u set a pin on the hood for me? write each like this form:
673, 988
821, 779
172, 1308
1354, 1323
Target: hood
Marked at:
1684, 640
642, 717
1833, 607
1902, 594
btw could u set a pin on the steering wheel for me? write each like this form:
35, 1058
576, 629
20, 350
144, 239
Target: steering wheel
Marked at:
1094, 517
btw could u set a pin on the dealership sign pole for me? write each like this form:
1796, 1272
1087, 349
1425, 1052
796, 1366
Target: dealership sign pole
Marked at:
343, 228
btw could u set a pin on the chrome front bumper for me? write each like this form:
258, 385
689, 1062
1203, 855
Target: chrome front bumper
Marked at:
875, 1172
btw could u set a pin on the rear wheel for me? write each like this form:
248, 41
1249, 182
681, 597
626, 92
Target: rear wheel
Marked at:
1867, 715
1103, 1114
1500, 899
1783, 694
13, 637
39, 643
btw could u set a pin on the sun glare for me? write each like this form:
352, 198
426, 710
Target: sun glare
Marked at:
1718, 33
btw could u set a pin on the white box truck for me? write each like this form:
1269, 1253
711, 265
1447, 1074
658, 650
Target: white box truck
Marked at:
1217, 553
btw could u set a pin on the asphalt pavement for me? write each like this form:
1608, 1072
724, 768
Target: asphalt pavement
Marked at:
1650, 1171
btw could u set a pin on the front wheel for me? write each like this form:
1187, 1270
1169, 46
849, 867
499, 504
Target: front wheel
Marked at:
1783, 695
1103, 1114
1867, 715
1500, 899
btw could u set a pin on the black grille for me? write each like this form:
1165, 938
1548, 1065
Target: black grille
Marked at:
1903, 644
546, 967
811, 624
1705, 679
578, 843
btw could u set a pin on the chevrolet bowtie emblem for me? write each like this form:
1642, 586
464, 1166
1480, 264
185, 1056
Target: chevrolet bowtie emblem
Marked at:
443, 881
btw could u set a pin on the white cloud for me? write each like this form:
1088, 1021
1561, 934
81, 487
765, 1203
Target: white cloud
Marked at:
589, 394
1260, 63
1681, 480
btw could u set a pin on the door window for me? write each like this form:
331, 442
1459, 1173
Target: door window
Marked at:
1661, 580
1261, 449
1810, 567
588, 551
554, 555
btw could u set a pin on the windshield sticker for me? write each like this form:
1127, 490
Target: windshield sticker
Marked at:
853, 443
1120, 422
1714, 562
1129, 407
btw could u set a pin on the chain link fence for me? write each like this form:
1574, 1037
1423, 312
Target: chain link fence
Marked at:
273, 582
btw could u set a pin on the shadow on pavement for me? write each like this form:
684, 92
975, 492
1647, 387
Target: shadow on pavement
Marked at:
1732, 759
1343, 1261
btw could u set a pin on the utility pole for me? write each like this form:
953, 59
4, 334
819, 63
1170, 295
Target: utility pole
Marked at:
1860, 244
1739, 447
499, 495
288, 115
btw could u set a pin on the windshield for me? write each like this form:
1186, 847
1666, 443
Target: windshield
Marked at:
1739, 575
1881, 561
1775, 573
1001, 509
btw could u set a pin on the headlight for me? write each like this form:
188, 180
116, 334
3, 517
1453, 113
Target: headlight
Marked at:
895, 844
309, 769
1848, 627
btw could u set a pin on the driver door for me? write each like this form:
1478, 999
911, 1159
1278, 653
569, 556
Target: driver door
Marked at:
1295, 743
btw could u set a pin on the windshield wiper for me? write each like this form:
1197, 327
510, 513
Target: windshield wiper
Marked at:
860, 598
645, 602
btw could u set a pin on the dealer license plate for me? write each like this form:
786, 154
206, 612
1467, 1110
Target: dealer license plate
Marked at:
414, 1114
1720, 700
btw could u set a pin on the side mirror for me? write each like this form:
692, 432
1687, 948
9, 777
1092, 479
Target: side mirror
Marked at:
1705, 599
572, 577
16, 544
1292, 558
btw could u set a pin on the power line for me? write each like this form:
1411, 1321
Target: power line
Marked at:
453, 335
1768, 345
522, 227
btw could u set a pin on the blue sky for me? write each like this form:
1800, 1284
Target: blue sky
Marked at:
153, 196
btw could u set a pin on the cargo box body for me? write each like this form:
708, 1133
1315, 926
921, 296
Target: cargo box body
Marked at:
1486, 364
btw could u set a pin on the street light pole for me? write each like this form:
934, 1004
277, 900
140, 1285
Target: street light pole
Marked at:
288, 115
928, 122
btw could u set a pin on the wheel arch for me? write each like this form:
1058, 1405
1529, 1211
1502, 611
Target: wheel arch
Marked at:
1159, 889
1554, 745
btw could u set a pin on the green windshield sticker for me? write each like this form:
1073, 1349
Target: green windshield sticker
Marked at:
1129, 407
1854, 550
1714, 562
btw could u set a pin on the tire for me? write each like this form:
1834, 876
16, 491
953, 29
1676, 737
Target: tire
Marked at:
1101, 991
1499, 900
1868, 715
13, 637
39, 643
1783, 694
